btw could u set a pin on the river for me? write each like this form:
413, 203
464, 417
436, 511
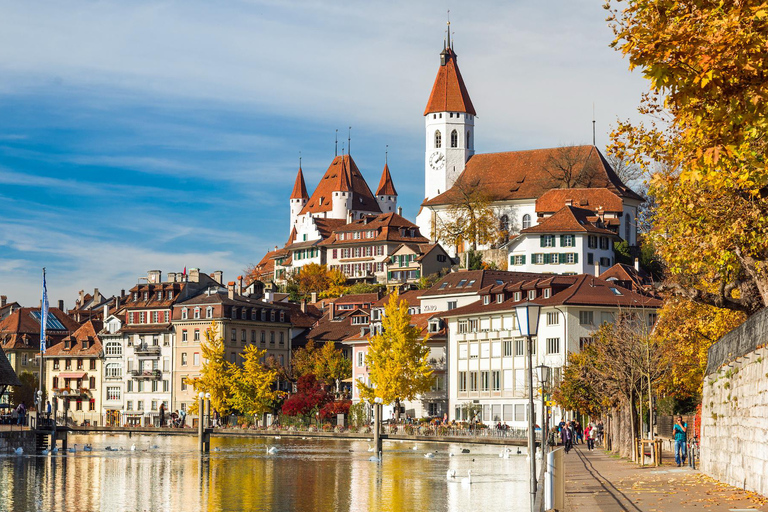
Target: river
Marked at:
166, 473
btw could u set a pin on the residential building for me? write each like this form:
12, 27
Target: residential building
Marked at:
410, 262
114, 376
73, 375
6, 308
487, 354
238, 320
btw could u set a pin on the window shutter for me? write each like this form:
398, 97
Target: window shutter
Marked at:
542, 241
562, 258
562, 240
523, 259
575, 257
546, 258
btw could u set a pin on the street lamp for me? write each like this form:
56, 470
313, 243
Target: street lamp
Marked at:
377, 410
528, 322
542, 372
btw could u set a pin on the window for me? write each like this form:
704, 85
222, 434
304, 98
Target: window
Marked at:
604, 242
504, 225
592, 242
113, 370
496, 380
462, 326
183, 383
92, 383
55, 365
518, 296
183, 359
590, 258
519, 347
79, 364
547, 241
142, 317
438, 139
519, 412
651, 319
567, 240
233, 335
526, 221
140, 386
68, 364
197, 335
263, 337
184, 313
570, 257
473, 381
243, 336
166, 387
360, 359
183, 335
473, 325
518, 259
271, 337
507, 348
451, 305
197, 313
113, 393
499, 298
454, 139
531, 294
129, 386
547, 293
154, 317
282, 338
154, 405
468, 138
484, 381
586, 317
553, 345
584, 342
553, 318
486, 300
462, 381
139, 405
55, 383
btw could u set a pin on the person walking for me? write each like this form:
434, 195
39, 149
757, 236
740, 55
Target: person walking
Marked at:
21, 411
567, 439
48, 409
162, 415
681, 437
591, 436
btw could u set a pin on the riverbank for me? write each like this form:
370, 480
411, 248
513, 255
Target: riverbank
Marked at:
598, 481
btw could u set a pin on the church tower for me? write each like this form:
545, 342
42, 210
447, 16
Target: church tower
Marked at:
299, 198
386, 195
450, 126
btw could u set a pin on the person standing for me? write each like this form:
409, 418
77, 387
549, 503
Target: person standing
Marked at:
162, 415
591, 435
21, 411
681, 437
48, 409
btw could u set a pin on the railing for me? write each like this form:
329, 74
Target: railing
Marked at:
147, 374
144, 349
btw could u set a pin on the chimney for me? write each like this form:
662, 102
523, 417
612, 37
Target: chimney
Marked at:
171, 277
3, 301
637, 265
350, 217
81, 298
218, 276
194, 275
400, 211
597, 269
313, 297
96, 296
61, 305
106, 312
332, 310
569, 202
239, 285
154, 276
117, 302
304, 306
231, 290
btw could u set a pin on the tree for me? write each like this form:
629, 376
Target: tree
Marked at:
310, 396
571, 166
704, 62
26, 392
326, 363
215, 374
628, 172
398, 362
337, 283
252, 384
469, 219
313, 278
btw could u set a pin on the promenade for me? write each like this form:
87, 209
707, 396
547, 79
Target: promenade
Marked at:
596, 481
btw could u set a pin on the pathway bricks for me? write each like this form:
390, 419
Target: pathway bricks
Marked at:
596, 481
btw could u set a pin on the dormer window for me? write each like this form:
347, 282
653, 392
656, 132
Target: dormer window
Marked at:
282, 316
499, 298
184, 313
209, 312
146, 296
160, 295
197, 313
67, 344
135, 296
253, 314
170, 295
470, 283
547, 293
272, 315
486, 300
531, 294
434, 326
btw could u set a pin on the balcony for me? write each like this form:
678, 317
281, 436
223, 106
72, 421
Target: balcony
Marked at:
147, 350
147, 374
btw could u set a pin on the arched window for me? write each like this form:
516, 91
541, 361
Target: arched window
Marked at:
454, 139
209, 312
438, 139
526, 221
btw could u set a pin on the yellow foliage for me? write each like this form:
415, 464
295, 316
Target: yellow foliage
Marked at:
251, 385
215, 374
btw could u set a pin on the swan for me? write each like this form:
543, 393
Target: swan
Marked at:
429, 455
451, 454
133, 447
46, 451
272, 450
451, 474
278, 437
19, 451
505, 453
375, 458
55, 449
371, 448
415, 447
468, 479
73, 449
87, 448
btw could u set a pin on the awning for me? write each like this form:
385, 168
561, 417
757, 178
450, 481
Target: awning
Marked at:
76, 375
348, 380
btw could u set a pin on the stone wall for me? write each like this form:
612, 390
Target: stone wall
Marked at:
734, 418
12, 439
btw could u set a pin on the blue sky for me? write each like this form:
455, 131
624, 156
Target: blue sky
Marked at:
158, 135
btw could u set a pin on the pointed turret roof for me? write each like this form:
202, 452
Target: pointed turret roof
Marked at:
299, 188
343, 172
449, 94
386, 187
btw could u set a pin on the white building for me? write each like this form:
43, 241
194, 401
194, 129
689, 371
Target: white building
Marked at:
114, 344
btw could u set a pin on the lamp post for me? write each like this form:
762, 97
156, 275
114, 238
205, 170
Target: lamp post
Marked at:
208, 409
528, 322
201, 411
377, 410
542, 371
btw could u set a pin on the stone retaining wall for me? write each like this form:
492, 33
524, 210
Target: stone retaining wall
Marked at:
734, 418
10, 440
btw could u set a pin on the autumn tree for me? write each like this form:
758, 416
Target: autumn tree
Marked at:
470, 218
571, 166
313, 278
215, 374
397, 360
309, 398
326, 363
252, 384
704, 61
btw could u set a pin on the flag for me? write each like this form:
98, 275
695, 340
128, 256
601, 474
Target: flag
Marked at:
185, 271
43, 316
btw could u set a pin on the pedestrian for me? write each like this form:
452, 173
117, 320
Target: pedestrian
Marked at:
21, 411
591, 435
681, 436
182, 418
567, 439
48, 409
579, 433
600, 431
162, 415
215, 418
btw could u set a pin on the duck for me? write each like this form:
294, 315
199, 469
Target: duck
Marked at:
272, 450
278, 437
73, 449
87, 448
450, 474
110, 449
518, 451
55, 449
451, 454
371, 448
468, 479
133, 447
154, 447
415, 447
19, 451
429, 455
465, 450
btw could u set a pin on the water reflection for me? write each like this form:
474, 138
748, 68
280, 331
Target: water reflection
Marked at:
167, 473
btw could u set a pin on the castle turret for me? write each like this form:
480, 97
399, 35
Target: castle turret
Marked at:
299, 197
386, 195
342, 192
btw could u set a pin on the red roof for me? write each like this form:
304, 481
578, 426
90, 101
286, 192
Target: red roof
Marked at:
21, 330
569, 220
385, 227
88, 331
526, 174
299, 189
386, 187
449, 94
411, 297
589, 198
342, 175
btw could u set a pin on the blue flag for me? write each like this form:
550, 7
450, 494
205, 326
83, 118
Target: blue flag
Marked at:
43, 316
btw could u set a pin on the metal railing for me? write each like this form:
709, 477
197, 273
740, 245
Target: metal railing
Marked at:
146, 374
147, 349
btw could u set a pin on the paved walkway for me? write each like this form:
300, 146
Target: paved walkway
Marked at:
596, 481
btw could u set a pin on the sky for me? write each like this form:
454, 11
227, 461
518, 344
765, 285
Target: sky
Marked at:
167, 134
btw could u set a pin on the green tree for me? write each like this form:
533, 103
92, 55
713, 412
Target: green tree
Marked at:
397, 360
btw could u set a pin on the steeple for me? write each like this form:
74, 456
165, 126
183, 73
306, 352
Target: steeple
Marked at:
299, 188
386, 187
449, 94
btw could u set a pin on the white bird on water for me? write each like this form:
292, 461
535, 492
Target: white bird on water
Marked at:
505, 453
272, 450
133, 447
468, 479
415, 447
371, 448
19, 451
429, 455
451, 474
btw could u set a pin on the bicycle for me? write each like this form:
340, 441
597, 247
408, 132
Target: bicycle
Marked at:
693, 451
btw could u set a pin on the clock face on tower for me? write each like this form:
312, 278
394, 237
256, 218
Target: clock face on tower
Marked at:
437, 160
